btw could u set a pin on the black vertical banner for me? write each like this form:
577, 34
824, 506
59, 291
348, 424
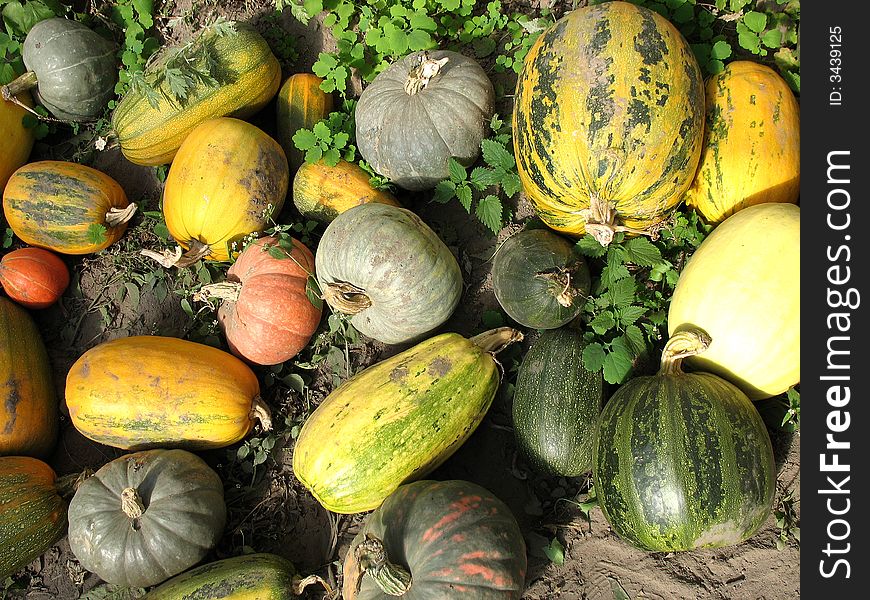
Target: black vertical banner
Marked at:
835, 268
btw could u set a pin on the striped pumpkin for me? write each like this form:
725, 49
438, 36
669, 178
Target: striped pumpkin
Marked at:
683, 460
608, 120
300, 104
249, 76
17, 139
322, 192
752, 142
117, 395
66, 207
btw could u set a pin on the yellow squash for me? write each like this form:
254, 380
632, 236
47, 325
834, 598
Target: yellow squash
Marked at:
752, 142
159, 392
322, 192
742, 286
17, 139
300, 104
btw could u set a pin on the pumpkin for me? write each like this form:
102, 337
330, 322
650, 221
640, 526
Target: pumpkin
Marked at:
28, 404
267, 315
117, 395
322, 192
539, 279
66, 207
742, 286
608, 120
752, 142
228, 180
248, 76
73, 69
17, 139
419, 113
437, 539
33, 277
683, 460
384, 266
257, 576
147, 516
398, 420
300, 104
32, 511
556, 404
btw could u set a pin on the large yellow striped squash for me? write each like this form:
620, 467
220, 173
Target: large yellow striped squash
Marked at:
751, 144
151, 127
17, 139
608, 120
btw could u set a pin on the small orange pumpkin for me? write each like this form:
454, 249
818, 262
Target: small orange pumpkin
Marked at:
33, 277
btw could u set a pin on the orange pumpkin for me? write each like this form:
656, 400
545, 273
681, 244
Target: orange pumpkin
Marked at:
33, 277
267, 315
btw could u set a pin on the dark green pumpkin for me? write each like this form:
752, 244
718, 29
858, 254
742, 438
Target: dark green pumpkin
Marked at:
683, 460
556, 404
73, 68
539, 279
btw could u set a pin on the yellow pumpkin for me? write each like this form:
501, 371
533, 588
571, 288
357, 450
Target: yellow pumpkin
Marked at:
742, 286
752, 142
17, 139
300, 104
322, 192
229, 179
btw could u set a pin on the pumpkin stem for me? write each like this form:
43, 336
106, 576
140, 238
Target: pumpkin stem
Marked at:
560, 286
225, 290
600, 220
131, 503
371, 555
496, 340
261, 412
422, 74
119, 216
682, 344
346, 297
169, 258
67, 485
298, 584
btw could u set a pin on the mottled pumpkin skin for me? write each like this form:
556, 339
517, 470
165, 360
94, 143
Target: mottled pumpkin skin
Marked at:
53, 204
752, 142
28, 403
249, 74
183, 518
609, 104
300, 104
322, 192
273, 318
117, 394
228, 179
33, 277
32, 514
455, 537
17, 139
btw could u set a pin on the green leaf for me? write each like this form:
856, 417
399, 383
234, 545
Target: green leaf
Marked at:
492, 319
684, 14
420, 20
621, 292
398, 40
458, 173
617, 363
720, 50
603, 322
97, 233
772, 38
482, 178
634, 339
555, 552
420, 40
593, 357
20, 18
497, 155
304, 139
755, 21
331, 157
589, 246
444, 191
463, 192
630, 314
484, 46
643, 252
511, 184
489, 210
749, 41
321, 131
613, 272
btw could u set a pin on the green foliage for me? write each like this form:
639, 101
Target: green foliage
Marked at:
281, 43
792, 417
135, 21
520, 33
331, 139
786, 520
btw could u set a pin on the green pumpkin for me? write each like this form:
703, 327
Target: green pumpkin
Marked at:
73, 68
386, 267
539, 279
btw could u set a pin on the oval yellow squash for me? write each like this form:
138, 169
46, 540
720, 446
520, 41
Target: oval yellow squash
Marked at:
742, 286
146, 392
322, 192
17, 139
300, 104
229, 179
752, 142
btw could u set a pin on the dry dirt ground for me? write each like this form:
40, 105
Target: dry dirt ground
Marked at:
270, 511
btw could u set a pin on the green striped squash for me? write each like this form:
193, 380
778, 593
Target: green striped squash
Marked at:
556, 404
398, 420
608, 120
683, 460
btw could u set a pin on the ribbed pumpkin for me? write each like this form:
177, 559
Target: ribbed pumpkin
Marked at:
539, 279
66, 207
322, 192
608, 120
422, 111
73, 69
742, 286
398, 420
248, 76
229, 179
267, 315
437, 539
683, 460
28, 404
117, 395
556, 404
386, 267
300, 104
17, 139
752, 142
32, 512
33, 277
147, 516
